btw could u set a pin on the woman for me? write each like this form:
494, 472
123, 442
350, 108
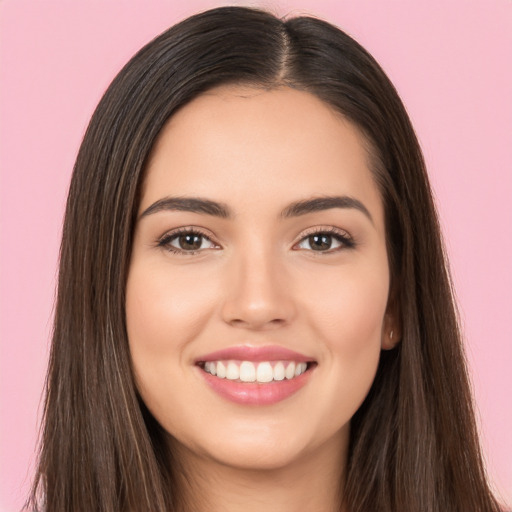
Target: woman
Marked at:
254, 308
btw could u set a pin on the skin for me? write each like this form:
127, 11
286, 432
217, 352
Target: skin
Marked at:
256, 280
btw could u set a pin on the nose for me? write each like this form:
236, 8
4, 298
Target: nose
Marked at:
259, 294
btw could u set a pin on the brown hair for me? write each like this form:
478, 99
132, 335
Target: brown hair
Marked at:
413, 444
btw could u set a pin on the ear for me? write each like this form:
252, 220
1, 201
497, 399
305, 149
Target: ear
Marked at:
391, 329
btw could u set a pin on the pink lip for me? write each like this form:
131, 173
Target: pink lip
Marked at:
256, 354
253, 393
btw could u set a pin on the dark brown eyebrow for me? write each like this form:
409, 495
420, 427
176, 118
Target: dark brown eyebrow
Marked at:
209, 207
324, 203
188, 204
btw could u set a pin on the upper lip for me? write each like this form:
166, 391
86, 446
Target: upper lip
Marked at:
257, 354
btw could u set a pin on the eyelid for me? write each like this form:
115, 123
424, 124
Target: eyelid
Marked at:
343, 236
325, 229
164, 241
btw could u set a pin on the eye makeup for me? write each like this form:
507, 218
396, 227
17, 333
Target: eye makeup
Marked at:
186, 241
322, 239
192, 240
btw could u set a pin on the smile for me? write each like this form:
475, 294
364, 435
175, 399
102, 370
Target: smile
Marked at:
262, 372
250, 375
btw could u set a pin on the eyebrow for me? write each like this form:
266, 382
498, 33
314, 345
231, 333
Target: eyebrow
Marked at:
188, 204
324, 203
216, 209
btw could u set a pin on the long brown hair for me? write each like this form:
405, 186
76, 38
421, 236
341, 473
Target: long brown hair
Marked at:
413, 444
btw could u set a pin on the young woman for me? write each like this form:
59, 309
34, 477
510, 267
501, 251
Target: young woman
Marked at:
254, 309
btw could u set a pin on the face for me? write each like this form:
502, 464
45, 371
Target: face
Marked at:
257, 293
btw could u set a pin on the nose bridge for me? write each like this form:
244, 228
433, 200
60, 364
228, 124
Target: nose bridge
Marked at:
256, 294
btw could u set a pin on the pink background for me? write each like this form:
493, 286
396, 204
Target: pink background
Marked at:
451, 62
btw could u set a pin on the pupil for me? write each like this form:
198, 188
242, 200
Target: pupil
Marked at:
320, 242
190, 241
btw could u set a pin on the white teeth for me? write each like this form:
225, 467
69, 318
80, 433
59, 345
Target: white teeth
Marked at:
221, 370
279, 371
210, 367
264, 373
247, 371
300, 368
290, 371
233, 371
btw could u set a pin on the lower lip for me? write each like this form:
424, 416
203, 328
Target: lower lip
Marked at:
253, 393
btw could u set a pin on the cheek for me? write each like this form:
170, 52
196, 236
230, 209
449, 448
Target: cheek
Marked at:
163, 310
349, 307
347, 317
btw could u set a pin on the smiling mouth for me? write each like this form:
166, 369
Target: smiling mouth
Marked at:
261, 372
256, 375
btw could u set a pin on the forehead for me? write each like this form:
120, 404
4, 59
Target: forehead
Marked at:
236, 144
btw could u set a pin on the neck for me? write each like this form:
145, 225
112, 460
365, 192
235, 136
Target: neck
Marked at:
312, 482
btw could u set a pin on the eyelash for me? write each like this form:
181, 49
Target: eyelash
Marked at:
346, 241
165, 241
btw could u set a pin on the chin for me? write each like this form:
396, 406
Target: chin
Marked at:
264, 447
255, 457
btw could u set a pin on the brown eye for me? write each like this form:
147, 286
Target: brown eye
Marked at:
325, 241
186, 242
190, 241
320, 242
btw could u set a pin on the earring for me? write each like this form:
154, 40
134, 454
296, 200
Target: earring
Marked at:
391, 336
